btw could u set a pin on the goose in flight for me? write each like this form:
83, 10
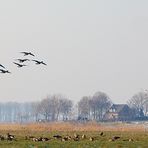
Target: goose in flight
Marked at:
39, 62
4, 71
2, 66
19, 65
22, 60
27, 53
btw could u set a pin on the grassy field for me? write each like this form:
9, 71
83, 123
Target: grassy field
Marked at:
131, 135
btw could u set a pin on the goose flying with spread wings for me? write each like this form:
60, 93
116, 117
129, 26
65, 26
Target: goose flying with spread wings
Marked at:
27, 53
19, 65
4, 71
22, 60
39, 62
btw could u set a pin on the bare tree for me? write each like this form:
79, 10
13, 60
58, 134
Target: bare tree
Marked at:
45, 108
99, 103
84, 108
139, 102
66, 107
54, 106
35, 110
60, 106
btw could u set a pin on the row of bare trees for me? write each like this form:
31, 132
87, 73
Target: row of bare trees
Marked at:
53, 108
94, 108
58, 107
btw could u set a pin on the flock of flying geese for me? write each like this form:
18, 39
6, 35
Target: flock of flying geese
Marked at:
20, 62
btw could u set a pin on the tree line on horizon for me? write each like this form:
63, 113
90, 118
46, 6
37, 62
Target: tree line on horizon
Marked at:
60, 108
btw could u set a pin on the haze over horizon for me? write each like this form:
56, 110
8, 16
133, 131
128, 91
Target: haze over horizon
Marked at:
89, 46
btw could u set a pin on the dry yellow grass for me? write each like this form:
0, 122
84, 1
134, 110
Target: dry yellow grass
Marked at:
66, 126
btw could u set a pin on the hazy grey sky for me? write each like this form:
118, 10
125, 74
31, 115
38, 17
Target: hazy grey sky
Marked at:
89, 46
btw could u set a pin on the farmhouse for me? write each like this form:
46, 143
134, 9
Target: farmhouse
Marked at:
119, 112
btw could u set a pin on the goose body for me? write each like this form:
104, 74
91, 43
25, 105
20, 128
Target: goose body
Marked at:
19, 65
10, 137
28, 53
4, 71
39, 62
22, 60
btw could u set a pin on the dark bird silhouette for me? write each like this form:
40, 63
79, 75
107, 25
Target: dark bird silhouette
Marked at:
115, 138
19, 65
4, 71
22, 60
2, 66
101, 134
40, 139
57, 136
39, 62
27, 53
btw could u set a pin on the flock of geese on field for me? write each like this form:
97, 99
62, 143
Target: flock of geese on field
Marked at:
75, 137
20, 62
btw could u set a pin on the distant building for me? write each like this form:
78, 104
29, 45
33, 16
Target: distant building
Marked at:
119, 112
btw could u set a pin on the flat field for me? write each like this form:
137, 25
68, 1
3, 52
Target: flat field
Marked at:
129, 135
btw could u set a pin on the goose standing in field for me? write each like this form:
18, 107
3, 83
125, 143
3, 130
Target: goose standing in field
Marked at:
83, 136
57, 137
10, 137
76, 137
19, 65
115, 138
64, 139
4, 71
39, 62
91, 139
45, 139
101, 134
34, 139
28, 53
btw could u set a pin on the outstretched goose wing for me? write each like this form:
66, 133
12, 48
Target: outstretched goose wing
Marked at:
17, 64
2, 66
